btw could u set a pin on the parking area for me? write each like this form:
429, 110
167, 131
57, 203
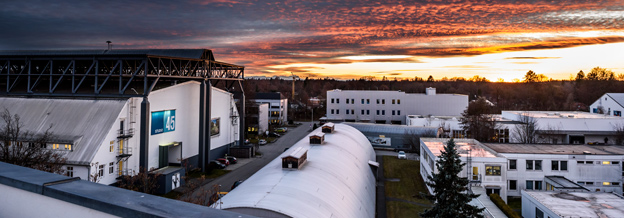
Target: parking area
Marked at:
410, 156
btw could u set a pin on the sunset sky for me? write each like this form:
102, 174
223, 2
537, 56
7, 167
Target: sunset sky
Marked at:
341, 39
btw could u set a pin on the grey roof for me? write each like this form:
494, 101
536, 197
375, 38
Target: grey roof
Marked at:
561, 182
617, 97
555, 149
392, 129
84, 122
269, 95
179, 53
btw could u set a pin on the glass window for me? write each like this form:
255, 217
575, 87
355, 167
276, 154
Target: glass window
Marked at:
564, 165
398, 112
70, 172
101, 170
606, 183
383, 101
538, 185
332, 100
615, 162
615, 183
377, 101
538, 213
362, 101
377, 112
383, 112
337, 100
347, 111
352, 111
337, 111
332, 111
347, 101
362, 112
392, 112
555, 165
352, 101
392, 101
367, 101
529, 164
111, 167
529, 185
538, 165
512, 164
606, 162
492, 170
367, 112
398, 101
513, 184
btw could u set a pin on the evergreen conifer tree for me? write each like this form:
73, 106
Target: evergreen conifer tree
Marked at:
450, 191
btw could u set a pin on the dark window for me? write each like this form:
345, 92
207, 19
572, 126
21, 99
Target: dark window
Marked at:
538, 213
538, 165
529, 164
538, 185
383, 101
347, 110
529, 185
564, 165
332, 111
337, 111
362, 101
512, 164
392, 112
337, 100
617, 113
555, 165
367, 112
362, 112
377, 101
392, 101
513, 184
398, 112
398, 101
377, 112
332, 100
383, 112
367, 101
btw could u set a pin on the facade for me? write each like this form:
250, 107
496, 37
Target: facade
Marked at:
571, 204
278, 106
99, 135
257, 118
608, 104
330, 179
509, 168
390, 107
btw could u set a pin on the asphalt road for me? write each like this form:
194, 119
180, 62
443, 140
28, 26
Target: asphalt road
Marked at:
269, 152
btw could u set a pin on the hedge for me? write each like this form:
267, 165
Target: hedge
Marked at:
503, 206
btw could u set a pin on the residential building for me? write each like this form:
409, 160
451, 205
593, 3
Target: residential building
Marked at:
278, 106
390, 107
611, 104
330, 173
506, 169
571, 204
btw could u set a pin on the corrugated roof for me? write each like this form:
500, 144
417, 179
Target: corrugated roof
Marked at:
561, 182
335, 182
86, 122
179, 53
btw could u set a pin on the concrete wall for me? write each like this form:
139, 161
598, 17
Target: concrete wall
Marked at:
263, 118
529, 204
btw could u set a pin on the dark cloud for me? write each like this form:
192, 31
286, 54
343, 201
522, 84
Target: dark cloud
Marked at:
260, 34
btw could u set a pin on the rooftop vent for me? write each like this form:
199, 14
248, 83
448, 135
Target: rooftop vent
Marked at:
296, 159
328, 128
318, 138
430, 91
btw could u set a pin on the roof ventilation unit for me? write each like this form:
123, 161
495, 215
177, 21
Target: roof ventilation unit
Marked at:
318, 138
328, 128
296, 159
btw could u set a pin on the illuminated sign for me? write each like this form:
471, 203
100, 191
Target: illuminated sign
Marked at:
163, 121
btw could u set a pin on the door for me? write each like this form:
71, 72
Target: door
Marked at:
475, 173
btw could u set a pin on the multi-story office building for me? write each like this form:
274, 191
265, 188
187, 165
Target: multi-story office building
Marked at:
506, 169
278, 106
390, 107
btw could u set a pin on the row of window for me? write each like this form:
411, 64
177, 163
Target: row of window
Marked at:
69, 170
537, 185
561, 165
364, 101
364, 112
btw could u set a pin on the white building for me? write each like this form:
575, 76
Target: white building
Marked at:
278, 106
330, 179
99, 138
609, 104
390, 107
571, 204
509, 168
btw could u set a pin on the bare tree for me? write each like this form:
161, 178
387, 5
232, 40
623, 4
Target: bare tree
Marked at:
25, 148
550, 135
619, 133
478, 122
526, 131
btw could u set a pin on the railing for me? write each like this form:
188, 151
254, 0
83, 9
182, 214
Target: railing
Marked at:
125, 133
475, 178
125, 151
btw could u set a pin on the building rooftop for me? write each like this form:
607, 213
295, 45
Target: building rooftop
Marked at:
336, 181
436, 146
581, 204
617, 97
269, 95
557, 115
555, 149
561, 182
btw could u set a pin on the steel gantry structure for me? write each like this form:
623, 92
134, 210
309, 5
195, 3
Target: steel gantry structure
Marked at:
122, 74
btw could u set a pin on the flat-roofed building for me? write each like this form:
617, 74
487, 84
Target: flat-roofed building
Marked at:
572, 204
278, 106
390, 107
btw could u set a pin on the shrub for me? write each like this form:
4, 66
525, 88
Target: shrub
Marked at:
503, 206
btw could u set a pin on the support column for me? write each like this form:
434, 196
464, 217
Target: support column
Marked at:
201, 160
144, 135
208, 128
241, 115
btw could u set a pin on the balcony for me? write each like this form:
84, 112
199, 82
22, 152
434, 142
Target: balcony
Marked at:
125, 151
475, 179
123, 134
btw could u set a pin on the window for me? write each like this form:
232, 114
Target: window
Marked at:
564, 165
533, 164
392, 101
538, 213
595, 110
398, 101
383, 101
352, 101
606, 183
392, 112
112, 143
367, 112
377, 101
352, 111
615, 162
101, 170
512, 164
70, 172
533, 185
617, 113
399, 112
492, 170
559, 165
347, 110
529, 185
529, 164
362, 112
538, 165
377, 112
615, 183
337, 100
513, 184
111, 167
606, 162
332, 111
367, 101
347, 101
332, 100
337, 111
503, 135
362, 101
383, 112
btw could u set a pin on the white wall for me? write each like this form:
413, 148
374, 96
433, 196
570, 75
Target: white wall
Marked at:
608, 104
263, 118
276, 105
529, 204
27, 204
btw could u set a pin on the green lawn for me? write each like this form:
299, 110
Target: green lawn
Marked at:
409, 187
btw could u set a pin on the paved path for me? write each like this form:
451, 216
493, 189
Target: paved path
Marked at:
248, 166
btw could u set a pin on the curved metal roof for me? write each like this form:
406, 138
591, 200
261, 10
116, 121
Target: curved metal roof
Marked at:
335, 182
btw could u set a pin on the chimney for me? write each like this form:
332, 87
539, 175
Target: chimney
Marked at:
430, 91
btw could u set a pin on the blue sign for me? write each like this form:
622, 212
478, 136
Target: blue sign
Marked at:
163, 121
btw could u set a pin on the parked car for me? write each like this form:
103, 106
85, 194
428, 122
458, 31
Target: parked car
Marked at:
216, 165
223, 161
262, 142
272, 134
236, 184
402, 155
232, 159
281, 129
